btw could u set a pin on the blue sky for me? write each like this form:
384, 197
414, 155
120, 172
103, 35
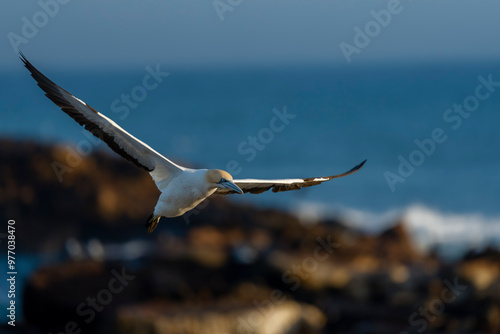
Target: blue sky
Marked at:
95, 33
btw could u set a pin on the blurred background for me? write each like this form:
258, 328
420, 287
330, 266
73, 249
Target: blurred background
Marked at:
409, 244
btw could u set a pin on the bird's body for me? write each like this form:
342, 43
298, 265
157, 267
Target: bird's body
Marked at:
181, 188
183, 193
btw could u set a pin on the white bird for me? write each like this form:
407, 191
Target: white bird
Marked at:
181, 188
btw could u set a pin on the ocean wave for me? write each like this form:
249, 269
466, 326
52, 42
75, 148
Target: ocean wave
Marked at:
449, 234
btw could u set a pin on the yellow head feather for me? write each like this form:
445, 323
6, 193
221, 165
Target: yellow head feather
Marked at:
215, 175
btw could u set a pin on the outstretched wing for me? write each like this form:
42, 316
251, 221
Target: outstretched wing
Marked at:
119, 140
256, 186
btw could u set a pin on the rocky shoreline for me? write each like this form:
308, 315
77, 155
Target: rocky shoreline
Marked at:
225, 268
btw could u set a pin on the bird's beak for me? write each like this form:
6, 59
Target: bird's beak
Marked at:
230, 185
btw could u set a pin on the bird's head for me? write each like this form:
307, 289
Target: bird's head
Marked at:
221, 179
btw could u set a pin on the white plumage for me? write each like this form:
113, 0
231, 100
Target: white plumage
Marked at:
181, 188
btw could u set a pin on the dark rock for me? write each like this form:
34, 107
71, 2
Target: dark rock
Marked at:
219, 263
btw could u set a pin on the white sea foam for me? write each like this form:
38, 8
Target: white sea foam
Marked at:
451, 234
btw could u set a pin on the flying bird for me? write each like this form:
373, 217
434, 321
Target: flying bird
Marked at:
181, 188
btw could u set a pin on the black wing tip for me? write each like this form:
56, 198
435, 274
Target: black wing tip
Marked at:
25, 60
359, 166
36, 74
349, 172
53, 92
356, 168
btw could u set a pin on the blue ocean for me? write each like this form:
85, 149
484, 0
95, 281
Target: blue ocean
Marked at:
428, 132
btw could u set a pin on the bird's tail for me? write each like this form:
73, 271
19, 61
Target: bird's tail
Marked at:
152, 222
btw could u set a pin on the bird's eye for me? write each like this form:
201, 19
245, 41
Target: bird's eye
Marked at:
222, 180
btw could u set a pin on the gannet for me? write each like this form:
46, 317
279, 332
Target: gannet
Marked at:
181, 188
